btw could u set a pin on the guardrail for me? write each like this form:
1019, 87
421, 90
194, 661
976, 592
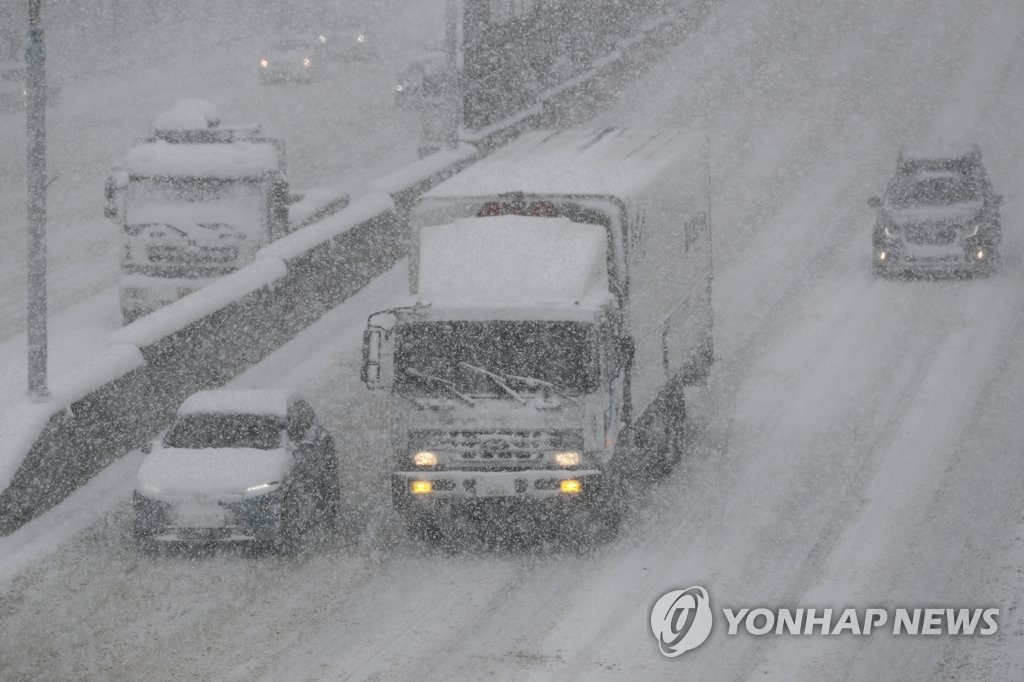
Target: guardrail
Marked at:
210, 336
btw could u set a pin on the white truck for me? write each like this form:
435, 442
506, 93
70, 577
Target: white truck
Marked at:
560, 303
194, 201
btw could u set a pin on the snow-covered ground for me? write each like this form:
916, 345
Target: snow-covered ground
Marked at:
858, 446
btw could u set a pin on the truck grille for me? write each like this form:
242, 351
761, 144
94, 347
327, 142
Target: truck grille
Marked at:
513, 447
191, 254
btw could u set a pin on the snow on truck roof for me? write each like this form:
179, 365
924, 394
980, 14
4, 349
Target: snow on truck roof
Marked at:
513, 261
155, 158
239, 401
615, 161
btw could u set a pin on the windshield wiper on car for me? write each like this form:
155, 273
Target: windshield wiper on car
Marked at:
533, 382
450, 385
496, 378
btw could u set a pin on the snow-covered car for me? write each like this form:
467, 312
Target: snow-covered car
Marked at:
253, 466
296, 59
939, 215
13, 88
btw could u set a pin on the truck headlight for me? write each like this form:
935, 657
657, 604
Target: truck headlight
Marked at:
264, 63
424, 458
567, 458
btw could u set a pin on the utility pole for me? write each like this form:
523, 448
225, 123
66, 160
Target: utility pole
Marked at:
35, 114
452, 43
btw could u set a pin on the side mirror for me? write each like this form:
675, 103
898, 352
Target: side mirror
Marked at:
113, 193
874, 202
373, 340
147, 447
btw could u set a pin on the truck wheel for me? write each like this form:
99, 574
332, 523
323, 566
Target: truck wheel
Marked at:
423, 528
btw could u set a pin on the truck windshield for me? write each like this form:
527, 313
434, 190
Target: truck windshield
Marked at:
561, 353
183, 202
197, 431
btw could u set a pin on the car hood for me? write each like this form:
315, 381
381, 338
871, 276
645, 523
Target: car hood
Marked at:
217, 472
955, 213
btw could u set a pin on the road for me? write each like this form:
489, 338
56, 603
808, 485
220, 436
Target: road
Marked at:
858, 445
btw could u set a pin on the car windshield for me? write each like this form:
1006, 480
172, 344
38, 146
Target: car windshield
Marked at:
438, 358
197, 431
935, 190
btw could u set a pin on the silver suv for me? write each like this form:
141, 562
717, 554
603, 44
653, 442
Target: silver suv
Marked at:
939, 215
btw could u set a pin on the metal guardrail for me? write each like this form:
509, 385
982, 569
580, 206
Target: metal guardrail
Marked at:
251, 313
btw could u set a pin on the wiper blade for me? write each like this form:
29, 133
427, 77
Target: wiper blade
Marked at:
533, 382
413, 372
496, 378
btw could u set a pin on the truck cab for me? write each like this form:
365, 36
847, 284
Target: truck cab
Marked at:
194, 201
550, 329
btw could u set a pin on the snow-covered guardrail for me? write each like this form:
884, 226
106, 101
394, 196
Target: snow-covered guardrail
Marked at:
210, 336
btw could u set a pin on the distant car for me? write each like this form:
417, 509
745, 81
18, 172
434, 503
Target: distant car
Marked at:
14, 87
349, 42
409, 85
297, 59
939, 215
253, 466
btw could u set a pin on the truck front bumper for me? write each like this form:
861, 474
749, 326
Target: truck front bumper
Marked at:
452, 488
141, 294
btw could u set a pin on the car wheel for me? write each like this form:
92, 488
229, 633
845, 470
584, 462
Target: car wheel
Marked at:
288, 537
330, 505
144, 542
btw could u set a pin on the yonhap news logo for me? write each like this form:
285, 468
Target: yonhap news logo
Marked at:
681, 620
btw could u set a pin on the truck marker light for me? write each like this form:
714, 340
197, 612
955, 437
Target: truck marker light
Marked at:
571, 486
421, 487
425, 458
569, 458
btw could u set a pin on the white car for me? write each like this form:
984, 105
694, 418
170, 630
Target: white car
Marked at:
252, 466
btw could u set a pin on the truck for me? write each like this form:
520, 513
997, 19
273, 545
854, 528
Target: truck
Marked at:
559, 303
194, 201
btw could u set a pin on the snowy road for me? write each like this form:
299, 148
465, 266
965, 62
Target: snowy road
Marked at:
859, 445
